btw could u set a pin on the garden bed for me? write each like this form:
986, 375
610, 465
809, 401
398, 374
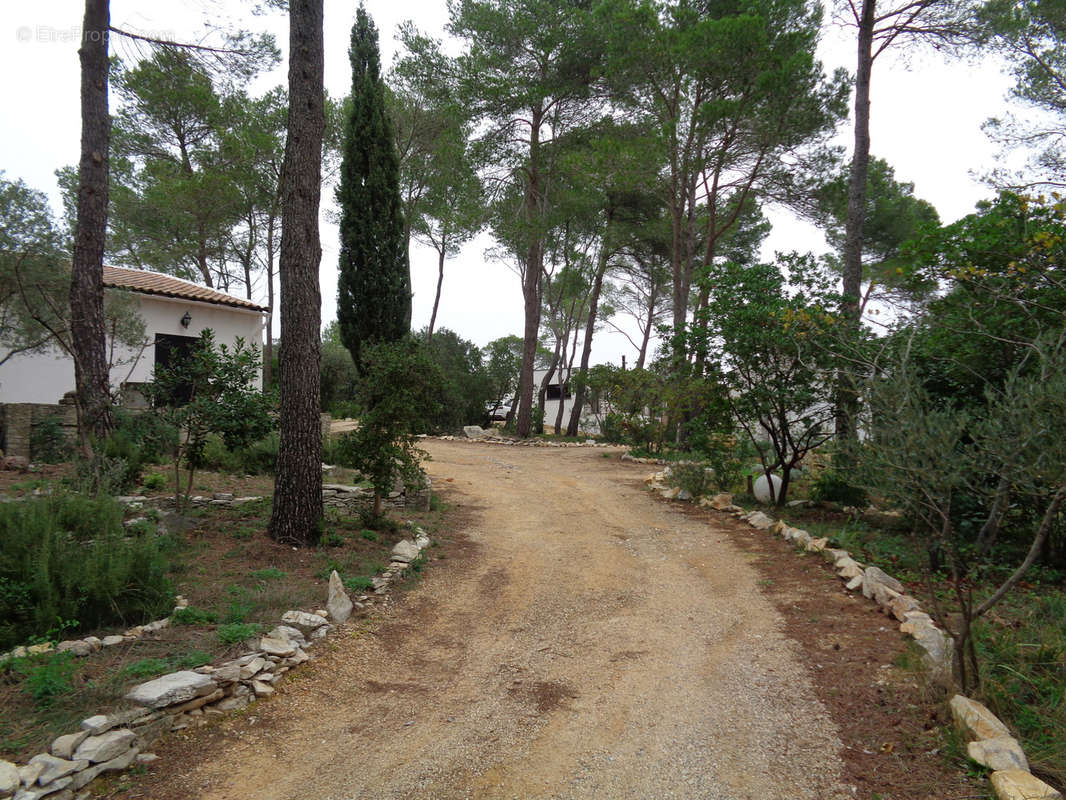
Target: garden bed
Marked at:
237, 583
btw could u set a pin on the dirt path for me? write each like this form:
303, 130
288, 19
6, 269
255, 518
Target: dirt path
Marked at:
592, 643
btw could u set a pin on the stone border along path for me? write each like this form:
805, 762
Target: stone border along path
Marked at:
989, 740
172, 702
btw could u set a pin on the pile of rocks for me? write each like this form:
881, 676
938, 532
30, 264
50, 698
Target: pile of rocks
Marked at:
990, 742
173, 702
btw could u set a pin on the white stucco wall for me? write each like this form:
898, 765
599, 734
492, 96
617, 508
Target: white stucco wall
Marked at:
46, 377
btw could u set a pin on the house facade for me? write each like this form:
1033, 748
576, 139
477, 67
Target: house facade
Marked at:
174, 312
559, 392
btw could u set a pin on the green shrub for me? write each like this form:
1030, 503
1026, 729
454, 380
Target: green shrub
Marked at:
154, 481
46, 677
241, 604
191, 615
359, 583
721, 453
235, 632
49, 442
369, 535
332, 539
691, 478
257, 458
831, 486
67, 556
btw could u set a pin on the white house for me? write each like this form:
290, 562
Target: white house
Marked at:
174, 312
559, 391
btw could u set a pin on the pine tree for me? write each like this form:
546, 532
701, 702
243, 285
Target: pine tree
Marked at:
374, 286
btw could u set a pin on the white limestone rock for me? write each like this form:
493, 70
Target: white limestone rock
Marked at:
876, 576
405, 551
107, 746
9, 777
277, 646
974, 721
1016, 784
303, 620
112, 640
77, 647
474, 432
339, 604
177, 687
848, 568
759, 520
1003, 752
64, 746
294, 635
55, 768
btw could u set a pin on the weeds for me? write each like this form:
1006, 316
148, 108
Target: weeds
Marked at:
193, 616
235, 632
46, 678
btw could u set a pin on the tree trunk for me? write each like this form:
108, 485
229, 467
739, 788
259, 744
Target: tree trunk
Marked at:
531, 283
296, 517
268, 348
88, 340
436, 298
846, 399
590, 327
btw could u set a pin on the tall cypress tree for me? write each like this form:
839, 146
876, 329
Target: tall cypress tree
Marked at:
374, 286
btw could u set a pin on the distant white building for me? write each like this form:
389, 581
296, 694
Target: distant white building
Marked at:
174, 312
560, 392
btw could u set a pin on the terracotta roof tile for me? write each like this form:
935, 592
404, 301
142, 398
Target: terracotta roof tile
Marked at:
139, 280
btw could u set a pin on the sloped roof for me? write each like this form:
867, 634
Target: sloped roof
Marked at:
139, 280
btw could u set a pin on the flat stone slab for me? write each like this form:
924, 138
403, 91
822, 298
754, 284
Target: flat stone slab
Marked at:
974, 721
405, 551
177, 687
55, 768
272, 646
1016, 784
106, 746
303, 620
64, 746
1001, 753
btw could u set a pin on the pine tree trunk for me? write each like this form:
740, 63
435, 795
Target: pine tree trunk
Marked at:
531, 284
436, 297
590, 328
87, 337
296, 517
846, 400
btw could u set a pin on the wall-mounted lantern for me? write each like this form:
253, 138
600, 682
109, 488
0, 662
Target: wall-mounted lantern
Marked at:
186, 320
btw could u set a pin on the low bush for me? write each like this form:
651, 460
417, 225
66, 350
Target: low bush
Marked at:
46, 677
67, 556
832, 486
235, 632
258, 458
691, 478
193, 616
48, 441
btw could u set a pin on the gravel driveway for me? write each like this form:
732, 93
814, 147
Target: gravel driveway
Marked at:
589, 642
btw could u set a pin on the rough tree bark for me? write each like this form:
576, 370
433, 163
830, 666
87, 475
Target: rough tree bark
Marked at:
296, 517
846, 400
531, 282
88, 343
590, 328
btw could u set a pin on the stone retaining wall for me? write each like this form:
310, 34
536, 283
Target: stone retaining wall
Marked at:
19, 420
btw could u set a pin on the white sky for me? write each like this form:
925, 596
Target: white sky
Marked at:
926, 118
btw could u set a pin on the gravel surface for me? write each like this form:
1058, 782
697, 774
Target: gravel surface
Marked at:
590, 643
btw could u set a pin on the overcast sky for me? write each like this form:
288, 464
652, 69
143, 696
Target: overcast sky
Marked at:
926, 122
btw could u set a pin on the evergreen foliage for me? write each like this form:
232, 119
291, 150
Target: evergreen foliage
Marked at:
374, 285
